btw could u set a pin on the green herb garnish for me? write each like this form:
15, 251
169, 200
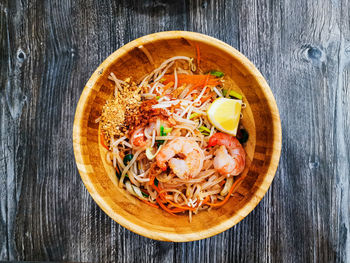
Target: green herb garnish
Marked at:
204, 129
233, 94
127, 158
156, 182
163, 132
167, 131
217, 73
144, 194
194, 115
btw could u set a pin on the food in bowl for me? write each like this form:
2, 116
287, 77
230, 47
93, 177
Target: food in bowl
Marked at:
174, 137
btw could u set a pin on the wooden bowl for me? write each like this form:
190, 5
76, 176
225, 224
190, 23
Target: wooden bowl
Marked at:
261, 119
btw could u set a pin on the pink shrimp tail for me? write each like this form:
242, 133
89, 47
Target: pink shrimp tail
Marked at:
220, 138
233, 146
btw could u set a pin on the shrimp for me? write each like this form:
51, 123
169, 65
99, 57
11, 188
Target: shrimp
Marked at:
230, 156
138, 138
188, 161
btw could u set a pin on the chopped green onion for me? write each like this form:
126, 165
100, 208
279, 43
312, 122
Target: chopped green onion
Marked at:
157, 97
232, 94
194, 115
162, 130
204, 129
127, 158
167, 131
156, 182
144, 194
159, 142
216, 73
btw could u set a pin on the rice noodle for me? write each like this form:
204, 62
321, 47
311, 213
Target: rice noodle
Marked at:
128, 166
196, 100
185, 121
175, 77
177, 101
163, 72
153, 137
146, 52
217, 92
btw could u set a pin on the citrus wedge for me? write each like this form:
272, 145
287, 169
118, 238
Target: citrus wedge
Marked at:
225, 114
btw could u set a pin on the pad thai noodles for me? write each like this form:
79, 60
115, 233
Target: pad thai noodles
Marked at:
171, 147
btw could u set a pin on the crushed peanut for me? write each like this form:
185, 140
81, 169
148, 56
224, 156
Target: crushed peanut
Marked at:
125, 103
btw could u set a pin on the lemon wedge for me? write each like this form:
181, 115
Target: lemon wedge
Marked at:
225, 114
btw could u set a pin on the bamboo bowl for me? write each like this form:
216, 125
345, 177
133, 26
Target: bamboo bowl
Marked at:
261, 119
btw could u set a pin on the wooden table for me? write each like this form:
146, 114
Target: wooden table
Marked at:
50, 48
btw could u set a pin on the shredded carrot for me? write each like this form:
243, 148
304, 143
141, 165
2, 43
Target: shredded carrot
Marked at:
102, 141
149, 203
177, 210
206, 81
207, 97
151, 179
168, 86
205, 200
158, 189
164, 207
193, 88
179, 206
222, 182
195, 80
198, 56
200, 85
228, 195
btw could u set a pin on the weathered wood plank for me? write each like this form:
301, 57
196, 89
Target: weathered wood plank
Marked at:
50, 48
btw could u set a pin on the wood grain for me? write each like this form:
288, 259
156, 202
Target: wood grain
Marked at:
302, 49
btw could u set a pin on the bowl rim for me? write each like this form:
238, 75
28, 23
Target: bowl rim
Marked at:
260, 191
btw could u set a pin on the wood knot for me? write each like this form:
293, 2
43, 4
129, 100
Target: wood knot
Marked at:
314, 53
21, 56
314, 165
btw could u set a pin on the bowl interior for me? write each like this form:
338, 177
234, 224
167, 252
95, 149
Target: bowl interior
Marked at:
261, 119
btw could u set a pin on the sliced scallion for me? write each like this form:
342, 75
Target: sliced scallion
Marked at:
232, 94
194, 115
167, 131
204, 129
127, 158
217, 73
144, 194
